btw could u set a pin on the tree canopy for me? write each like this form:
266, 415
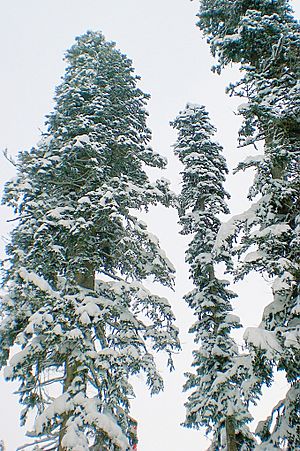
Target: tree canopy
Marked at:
75, 304
264, 38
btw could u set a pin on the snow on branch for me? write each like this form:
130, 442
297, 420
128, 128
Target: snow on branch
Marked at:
263, 339
38, 281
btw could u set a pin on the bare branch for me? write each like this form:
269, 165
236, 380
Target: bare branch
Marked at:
9, 157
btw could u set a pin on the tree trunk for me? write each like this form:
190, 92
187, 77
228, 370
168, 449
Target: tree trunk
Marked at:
85, 280
230, 434
99, 444
70, 371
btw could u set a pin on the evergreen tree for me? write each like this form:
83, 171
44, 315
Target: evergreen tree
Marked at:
264, 38
75, 303
220, 393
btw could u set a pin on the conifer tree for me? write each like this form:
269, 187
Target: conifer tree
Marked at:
219, 398
76, 306
264, 38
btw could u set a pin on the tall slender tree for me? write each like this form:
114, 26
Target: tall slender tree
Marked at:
264, 38
219, 399
75, 305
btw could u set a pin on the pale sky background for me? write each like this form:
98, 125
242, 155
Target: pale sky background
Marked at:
173, 60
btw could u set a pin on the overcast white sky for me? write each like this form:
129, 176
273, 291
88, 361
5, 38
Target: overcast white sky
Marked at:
174, 62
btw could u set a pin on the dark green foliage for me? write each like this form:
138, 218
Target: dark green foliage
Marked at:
220, 385
264, 38
76, 261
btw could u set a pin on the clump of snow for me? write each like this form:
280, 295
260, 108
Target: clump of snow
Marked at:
228, 229
292, 338
275, 230
38, 281
84, 318
57, 330
283, 282
73, 440
253, 256
84, 200
59, 406
263, 339
19, 357
296, 308
230, 318
75, 333
243, 107
57, 212
7, 372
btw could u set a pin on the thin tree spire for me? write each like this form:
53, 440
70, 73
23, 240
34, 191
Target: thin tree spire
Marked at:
218, 400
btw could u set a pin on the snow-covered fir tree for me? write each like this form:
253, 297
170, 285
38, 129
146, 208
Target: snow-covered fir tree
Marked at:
76, 306
220, 386
264, 38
